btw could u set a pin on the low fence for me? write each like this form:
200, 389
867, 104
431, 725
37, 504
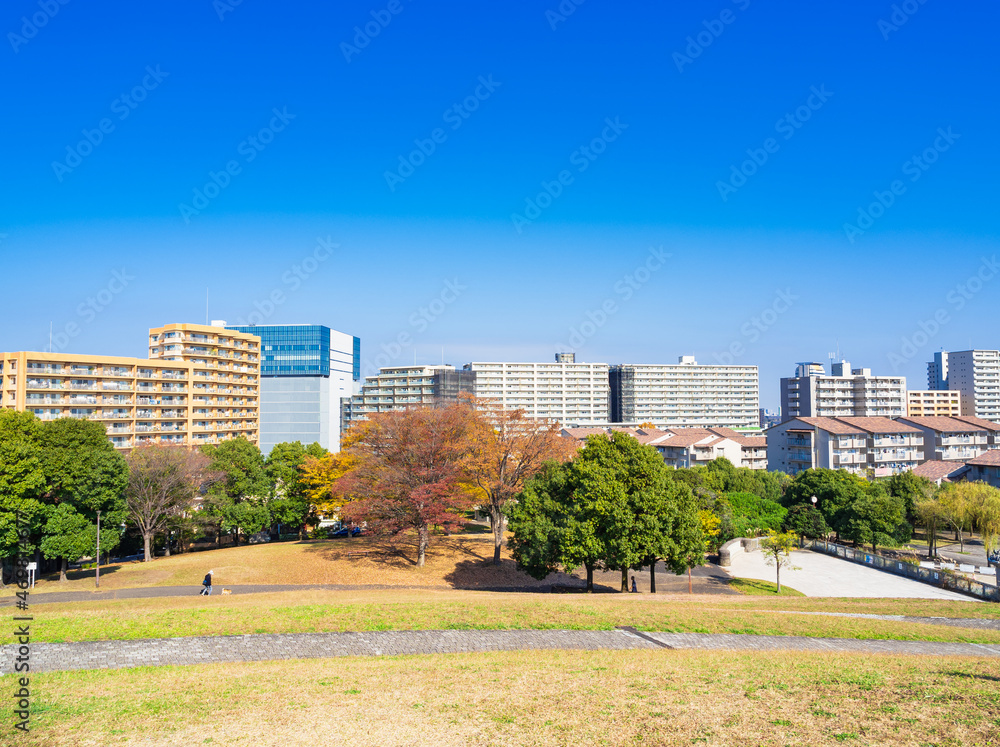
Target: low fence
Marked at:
943, 579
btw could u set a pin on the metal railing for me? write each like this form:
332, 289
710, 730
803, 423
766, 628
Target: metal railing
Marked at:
942, 579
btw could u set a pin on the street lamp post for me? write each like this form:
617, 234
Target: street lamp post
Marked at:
825, 548
97, 578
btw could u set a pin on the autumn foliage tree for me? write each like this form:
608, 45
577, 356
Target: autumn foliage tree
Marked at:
507, 448
407, 471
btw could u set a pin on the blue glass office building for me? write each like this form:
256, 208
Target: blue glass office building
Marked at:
305, 369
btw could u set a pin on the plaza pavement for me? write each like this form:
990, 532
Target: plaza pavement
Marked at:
819, 575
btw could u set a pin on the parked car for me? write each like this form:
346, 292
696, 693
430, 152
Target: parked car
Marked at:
345, 532
260, 537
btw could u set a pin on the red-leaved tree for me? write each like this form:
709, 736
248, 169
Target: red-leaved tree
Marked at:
407, 471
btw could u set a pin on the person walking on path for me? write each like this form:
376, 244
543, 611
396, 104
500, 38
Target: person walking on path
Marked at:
635, 590
207, 584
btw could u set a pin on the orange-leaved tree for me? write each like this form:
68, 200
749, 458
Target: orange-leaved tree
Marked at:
320, 476
406, 471
507, 448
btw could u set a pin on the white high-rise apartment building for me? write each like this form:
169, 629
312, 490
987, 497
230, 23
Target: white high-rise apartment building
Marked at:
973, 373
574, 394
685, 394
846, 393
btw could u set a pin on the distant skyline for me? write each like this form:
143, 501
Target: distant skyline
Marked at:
728, 179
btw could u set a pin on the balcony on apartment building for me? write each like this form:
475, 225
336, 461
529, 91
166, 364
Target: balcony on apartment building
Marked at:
896, 455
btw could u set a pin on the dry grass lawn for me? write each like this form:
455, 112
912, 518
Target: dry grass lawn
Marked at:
312, 611
530, 698
451, 561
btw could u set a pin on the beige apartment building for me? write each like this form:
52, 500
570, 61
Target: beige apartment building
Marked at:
200, 385
929, 403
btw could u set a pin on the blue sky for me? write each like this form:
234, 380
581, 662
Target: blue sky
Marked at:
494, 174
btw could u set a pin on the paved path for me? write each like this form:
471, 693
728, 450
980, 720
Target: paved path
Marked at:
150, 592
820, 575
50, 657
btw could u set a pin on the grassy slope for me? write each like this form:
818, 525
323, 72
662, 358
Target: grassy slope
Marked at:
450, 560
530, 698
318, 611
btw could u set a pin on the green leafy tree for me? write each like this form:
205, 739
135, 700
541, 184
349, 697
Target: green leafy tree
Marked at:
753, 515
84, 472
69, 535
911, 488
238, 499
548, 528
777, 549
931, 514
876, 518
290, 504
626, 486
22, 482
806, 521
684, 538
836, 491
613, 505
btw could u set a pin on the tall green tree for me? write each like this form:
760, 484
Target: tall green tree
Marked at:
238, 499
836, 491
806, 521
877, 518
84, 472
614, 506
289, 500
22, 483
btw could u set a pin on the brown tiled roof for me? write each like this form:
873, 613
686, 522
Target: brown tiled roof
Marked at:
943, 423
880, 425
990, 458
684, 437
935, 470
829, 424
752, 441
988, 425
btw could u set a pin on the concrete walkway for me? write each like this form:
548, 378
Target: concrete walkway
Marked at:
51, 657
820, 575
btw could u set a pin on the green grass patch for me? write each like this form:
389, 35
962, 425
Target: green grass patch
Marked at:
325, 611
757, 588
